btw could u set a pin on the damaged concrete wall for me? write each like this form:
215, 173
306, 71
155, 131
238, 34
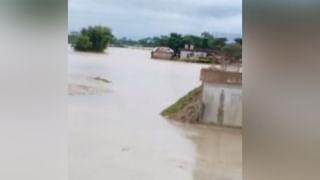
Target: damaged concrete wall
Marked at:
222, 105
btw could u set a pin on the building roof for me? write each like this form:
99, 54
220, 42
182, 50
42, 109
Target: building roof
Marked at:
214, 75
163, 49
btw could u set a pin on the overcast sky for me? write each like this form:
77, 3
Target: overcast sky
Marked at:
141, 18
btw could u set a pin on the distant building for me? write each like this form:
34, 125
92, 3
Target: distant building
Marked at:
162, 53
192, 54
221, 97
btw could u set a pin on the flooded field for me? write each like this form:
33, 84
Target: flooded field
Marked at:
117, 132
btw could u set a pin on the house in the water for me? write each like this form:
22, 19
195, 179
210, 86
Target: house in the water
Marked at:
221, 97
189, 53
162, 53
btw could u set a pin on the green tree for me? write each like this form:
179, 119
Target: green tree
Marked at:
72, 37
82, 43
194, 40
93, 38
238, 40
188, 39
175, 42
207, 40
233, 51
204, 41
163, 41
219, 43
146, 42
206, 35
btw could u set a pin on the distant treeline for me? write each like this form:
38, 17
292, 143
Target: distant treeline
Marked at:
177, 41
97, 38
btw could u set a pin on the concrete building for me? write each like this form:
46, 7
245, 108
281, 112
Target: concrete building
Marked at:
189, 53
162, 53
221, 97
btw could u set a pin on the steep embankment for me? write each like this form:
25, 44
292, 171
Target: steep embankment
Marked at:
187, 108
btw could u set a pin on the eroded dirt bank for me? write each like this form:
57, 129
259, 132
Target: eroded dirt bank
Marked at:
187, 108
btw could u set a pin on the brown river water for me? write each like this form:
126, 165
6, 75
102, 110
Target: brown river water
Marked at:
118, 134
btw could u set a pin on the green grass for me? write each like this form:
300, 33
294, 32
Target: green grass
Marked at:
181, 103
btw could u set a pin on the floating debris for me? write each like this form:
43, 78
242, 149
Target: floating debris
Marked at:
102, 79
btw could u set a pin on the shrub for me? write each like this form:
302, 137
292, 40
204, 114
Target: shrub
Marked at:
93, 38
82, 43
72, 37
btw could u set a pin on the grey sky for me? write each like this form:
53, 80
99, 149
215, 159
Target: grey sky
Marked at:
141, 18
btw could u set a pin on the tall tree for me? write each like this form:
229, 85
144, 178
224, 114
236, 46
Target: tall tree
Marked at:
207, 40
175, 42
194, 40
219, 43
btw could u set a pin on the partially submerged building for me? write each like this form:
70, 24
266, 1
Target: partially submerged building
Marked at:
221, 97
217, 101
162, 53
189, 53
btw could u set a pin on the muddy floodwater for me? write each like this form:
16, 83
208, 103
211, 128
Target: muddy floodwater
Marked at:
117, 132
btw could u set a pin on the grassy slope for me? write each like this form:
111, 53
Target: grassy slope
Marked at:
181, 103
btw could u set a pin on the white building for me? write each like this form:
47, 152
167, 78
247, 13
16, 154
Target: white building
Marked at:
189, 53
